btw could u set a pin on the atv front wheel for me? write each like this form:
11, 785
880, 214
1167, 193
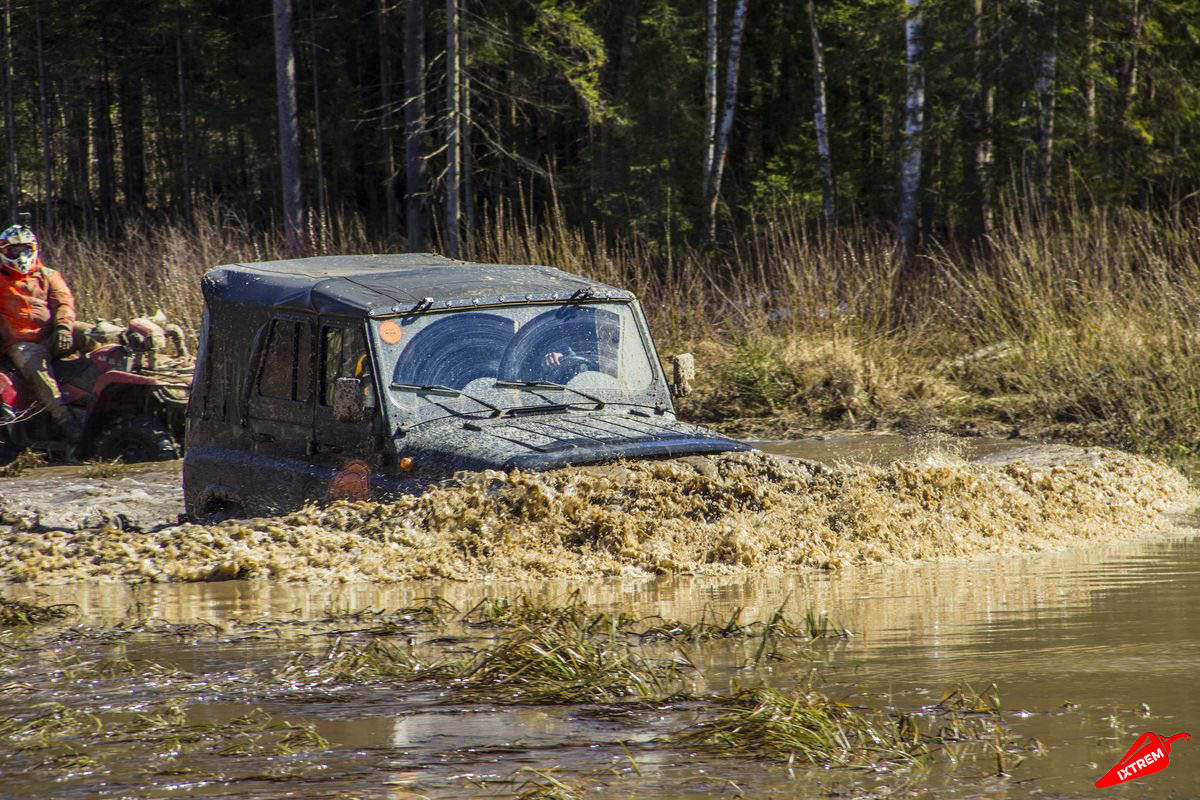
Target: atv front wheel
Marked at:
136, 439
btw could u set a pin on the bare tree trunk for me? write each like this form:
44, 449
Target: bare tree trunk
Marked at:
106, 181
453, 140
468, 187
1129, 76
133, 140
731, 79
710, 97
414, 122
9, 121
289, 129
185, 188
385, 98
914, 123
821, 121
1045, 25
322, 195
47, 161
1089, 81
77, 187
977, 122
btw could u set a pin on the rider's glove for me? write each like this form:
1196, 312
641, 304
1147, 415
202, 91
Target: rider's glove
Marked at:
62, 341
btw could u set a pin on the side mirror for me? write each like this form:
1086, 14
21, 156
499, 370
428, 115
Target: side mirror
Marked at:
683, 366
349, 400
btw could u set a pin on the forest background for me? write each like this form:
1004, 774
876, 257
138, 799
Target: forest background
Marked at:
968, 215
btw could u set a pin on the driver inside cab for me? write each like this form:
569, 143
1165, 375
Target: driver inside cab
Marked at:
590, 346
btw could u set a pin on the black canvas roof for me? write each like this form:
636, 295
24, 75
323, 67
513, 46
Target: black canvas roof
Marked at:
380, 285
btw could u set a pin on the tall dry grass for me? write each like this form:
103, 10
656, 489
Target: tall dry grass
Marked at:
1081, 324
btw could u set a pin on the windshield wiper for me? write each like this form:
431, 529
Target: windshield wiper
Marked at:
447, 391
549, 385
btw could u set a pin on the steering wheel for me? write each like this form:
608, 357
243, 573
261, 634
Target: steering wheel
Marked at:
568, 367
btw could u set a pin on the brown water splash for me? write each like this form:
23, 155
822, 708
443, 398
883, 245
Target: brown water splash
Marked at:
720, 515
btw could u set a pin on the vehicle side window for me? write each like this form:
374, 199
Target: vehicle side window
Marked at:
343, 355
286, 372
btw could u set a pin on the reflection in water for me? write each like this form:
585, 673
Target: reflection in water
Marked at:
1107, 628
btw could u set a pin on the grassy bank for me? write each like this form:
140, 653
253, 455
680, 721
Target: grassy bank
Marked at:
1080, 325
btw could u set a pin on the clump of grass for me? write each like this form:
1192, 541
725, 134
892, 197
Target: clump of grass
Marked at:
573, 612
51, 725
543, 654
376, 661
101, 468
779, 625
808, 727
544, 786
15, 613
552, 664
22, 463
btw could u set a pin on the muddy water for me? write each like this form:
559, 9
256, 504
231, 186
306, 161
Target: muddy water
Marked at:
1088, 647
1076, 643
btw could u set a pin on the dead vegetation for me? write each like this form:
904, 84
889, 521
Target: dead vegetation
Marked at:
17, 613
1079, 323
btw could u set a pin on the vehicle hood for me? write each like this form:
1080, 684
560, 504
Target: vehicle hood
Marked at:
549, 440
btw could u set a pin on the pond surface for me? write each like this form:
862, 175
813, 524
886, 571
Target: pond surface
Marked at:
1077, 643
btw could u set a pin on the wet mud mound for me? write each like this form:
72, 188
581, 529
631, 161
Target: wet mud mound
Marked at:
738, 512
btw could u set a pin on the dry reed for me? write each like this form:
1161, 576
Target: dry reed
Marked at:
1080, 324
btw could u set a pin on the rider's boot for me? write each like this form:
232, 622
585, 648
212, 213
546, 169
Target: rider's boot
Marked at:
33, 360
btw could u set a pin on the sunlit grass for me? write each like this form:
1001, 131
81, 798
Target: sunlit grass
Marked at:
1080, 323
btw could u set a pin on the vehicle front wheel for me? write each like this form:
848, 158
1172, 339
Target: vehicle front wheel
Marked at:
136, 439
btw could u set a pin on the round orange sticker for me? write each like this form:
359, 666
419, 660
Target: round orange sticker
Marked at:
391, 332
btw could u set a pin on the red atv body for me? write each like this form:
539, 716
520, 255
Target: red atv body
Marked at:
127, 410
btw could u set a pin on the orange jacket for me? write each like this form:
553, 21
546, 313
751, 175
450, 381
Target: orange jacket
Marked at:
31, 304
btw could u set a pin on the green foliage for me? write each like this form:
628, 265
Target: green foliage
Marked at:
560, 35
759, 375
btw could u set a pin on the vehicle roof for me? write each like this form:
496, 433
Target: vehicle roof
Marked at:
383, 285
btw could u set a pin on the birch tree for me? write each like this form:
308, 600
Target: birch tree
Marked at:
710, 97
9, 118
731, 81
184, 171
289, 130
820, 121
414, 123
44, 113
466, 165
385, 102
453, 140
914, 122
322, 197
977, 123
1045, 19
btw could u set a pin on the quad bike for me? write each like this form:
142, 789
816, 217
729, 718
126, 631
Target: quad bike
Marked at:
129, 396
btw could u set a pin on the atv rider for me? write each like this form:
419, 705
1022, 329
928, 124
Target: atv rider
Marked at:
37, 314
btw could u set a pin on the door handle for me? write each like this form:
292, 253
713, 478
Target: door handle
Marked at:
259, 436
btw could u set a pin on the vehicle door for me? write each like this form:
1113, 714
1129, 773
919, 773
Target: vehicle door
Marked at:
279, 413
347, 453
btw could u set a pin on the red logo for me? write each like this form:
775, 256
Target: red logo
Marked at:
1149, 754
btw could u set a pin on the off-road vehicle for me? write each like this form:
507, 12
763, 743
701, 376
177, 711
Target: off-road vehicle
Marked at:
367, 376
128, 395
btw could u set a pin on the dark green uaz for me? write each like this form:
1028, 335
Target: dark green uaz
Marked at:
367, 376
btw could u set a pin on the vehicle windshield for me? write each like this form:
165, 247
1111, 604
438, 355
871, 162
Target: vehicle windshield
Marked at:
513, 357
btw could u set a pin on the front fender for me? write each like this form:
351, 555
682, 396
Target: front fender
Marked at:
107, 383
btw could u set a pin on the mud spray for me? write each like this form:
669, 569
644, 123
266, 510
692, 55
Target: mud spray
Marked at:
720, 515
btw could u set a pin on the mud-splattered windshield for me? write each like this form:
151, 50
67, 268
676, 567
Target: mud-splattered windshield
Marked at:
461, 362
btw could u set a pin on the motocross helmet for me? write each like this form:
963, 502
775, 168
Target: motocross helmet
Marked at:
18, 249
